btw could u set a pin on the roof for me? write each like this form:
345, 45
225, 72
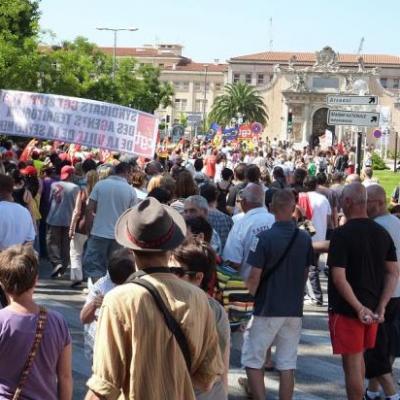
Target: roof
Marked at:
309, 58
139, 52
198, 67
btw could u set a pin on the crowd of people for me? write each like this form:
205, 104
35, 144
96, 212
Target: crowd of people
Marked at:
177, 253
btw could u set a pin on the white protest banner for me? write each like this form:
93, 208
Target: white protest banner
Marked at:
89, 123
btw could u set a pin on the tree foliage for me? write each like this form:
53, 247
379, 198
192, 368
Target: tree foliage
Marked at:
238, 99
76, 68
19, 20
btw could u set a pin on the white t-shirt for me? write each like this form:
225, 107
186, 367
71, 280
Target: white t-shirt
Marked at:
101, 287
392, 225
113, 196
320, 211
243, 236
16, 225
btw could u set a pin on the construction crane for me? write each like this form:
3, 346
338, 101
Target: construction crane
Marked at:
361, 46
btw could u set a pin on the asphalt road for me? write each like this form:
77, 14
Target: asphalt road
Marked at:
319, 374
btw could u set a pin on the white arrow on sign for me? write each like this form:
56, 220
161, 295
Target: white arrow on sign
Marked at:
358, 118
337, 100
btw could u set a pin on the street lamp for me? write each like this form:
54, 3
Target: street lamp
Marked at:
205, 96
115, 31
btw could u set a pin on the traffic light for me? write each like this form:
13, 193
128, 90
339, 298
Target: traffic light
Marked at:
168, 119
290, 121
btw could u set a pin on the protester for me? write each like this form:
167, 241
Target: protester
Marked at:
243, 235
279, 259
78, 230
16, 225
379, 360
22, 323
320, 216
360, 285
135, 362
239, 184
109, 199
62, 202
197, 206
122, 265
368, 180
196, 260
221, 222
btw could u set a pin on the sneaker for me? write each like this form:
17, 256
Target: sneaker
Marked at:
58, 271
313, 302
366, 397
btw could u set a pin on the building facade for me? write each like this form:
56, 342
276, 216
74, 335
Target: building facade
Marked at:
195, 84
295, 87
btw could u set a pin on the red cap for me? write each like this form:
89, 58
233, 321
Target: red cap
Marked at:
66, 172
29, 170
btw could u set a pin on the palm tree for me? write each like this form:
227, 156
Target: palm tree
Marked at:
239, 99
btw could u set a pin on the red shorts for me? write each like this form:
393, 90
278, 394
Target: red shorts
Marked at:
349, 335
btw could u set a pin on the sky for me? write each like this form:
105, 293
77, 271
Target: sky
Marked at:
213, 30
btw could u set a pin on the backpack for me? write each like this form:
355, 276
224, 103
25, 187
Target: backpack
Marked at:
233, 294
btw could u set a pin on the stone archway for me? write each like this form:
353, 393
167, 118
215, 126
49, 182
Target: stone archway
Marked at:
319, 125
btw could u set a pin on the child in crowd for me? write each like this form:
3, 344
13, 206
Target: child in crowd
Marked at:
122, 265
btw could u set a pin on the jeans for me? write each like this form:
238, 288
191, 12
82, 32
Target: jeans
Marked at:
76, 253
313, 286
58, 245
96, 256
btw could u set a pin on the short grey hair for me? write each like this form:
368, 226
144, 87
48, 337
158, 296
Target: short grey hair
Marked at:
356, 192
198, 201
254, 194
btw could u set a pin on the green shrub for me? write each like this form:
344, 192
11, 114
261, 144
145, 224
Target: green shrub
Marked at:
377, 162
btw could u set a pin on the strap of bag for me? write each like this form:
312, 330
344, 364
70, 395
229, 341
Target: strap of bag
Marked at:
170, 321
267, 273
41, 324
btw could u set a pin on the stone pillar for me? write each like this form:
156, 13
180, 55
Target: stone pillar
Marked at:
306, 123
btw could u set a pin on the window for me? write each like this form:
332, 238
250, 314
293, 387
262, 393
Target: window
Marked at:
236, 77
180, 104
197, 86
248, 79
384, 82
396, 83
161, 65
199, 106
260, 79
218, 87
185, 86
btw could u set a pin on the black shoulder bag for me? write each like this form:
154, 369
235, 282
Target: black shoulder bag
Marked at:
268, 272
170, 321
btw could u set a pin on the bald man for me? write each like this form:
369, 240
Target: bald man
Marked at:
363, 274
380, 359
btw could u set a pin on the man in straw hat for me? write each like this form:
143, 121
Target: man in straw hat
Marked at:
136, 354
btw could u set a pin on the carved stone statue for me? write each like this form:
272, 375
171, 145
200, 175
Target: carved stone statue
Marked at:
292, 63
361, 66
299, 83
276, 68
349, 83
326, 60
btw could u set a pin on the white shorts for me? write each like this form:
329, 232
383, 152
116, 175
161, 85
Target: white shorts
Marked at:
262, 332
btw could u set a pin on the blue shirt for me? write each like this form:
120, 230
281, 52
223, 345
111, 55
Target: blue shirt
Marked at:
282, 295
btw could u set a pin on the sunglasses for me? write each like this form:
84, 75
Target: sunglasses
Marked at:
181, 272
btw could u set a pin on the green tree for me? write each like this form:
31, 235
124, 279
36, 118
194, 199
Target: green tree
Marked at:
19, 20
238, 98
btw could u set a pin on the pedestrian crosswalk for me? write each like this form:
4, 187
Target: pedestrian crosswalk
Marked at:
319, 374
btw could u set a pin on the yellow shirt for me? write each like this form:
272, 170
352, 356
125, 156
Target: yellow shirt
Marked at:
137, 357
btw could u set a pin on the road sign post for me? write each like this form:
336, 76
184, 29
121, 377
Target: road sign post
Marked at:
358, 152
357, 118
